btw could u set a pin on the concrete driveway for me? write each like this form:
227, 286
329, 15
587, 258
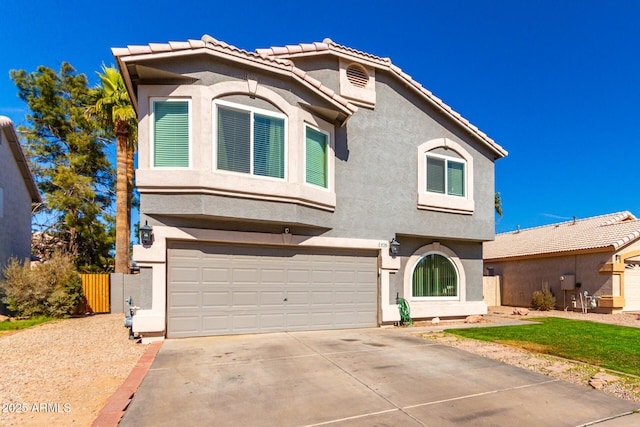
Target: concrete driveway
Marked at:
364, 377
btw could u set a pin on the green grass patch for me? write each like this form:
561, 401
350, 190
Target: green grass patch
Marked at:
14, 325
608, 346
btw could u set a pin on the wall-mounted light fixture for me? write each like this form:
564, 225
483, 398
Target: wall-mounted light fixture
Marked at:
393, 247
146, 235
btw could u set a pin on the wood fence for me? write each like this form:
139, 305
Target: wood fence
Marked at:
96, 292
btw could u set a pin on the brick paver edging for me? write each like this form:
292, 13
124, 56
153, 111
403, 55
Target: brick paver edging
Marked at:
112, 412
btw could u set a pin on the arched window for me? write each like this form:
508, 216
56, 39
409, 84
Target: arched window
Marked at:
434, 276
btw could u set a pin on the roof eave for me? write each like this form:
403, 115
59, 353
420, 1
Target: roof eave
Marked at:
14, 143
345, 108
602, 249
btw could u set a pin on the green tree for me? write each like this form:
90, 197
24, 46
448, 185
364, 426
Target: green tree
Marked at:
113, 110
68, 159
497, 203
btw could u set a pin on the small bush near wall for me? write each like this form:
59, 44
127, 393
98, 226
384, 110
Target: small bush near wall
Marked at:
52, 289
543, 300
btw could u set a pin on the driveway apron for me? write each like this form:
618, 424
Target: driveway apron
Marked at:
360, 377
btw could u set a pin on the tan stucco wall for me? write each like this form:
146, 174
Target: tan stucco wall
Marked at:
520, 278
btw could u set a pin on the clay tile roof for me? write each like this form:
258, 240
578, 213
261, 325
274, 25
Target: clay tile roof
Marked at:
290, 51
271, 58
600, 232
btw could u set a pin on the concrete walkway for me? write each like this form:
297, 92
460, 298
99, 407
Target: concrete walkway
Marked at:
358, 377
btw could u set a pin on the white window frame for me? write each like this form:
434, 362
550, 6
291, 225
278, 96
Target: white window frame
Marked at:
327, 160
442, 298
439, 249
428, 200
252, 111
152, 102
446, 159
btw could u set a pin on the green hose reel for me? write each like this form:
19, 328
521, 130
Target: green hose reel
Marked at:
405, 312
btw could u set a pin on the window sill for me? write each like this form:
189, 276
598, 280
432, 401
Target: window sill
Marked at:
444, 203
235, 185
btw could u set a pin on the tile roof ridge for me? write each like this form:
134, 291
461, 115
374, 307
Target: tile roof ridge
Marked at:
325, 45
5, 121
351, 50
207, 39
617, 216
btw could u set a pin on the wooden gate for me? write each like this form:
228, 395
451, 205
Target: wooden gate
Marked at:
96, 292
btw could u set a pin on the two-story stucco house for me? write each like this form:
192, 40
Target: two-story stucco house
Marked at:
276, 180
18, 191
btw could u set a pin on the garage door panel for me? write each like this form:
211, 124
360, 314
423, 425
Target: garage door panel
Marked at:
319, 277
216, 299
185, 326
272, 275
298, 276
245, 322
186, 274
244, 289
245, 275
216, 275
214, 325
185, 300
322, 297
246, 298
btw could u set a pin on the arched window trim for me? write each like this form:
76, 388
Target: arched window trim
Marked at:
442, 297
434, 248
444, 202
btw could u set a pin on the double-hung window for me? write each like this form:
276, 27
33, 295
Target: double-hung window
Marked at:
445, 175
316, 157
171, 133
250, 141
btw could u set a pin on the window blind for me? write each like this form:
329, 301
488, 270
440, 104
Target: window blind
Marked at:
234, 140
268, 146
455, 178
171, 134
316, 158
435, 175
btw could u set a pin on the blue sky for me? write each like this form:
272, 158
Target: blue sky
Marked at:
556, 83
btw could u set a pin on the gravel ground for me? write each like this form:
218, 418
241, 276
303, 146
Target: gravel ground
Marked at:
613, 383
61, 373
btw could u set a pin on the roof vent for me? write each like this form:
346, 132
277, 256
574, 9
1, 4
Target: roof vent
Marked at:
357, 75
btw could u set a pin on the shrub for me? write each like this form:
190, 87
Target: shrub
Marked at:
52, 289
543, 300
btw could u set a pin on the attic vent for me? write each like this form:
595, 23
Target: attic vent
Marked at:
357, 75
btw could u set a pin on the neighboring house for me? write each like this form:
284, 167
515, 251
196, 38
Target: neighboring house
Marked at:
599, 256
275, 182
18, 191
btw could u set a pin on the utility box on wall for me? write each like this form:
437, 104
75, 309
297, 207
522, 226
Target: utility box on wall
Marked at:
567, 282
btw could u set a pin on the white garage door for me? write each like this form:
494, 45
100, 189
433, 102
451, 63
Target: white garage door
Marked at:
217, 289
632, 288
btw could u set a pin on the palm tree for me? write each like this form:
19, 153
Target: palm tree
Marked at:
497, 203
115, 113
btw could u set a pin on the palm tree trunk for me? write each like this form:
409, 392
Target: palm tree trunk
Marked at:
130, 176
122, 224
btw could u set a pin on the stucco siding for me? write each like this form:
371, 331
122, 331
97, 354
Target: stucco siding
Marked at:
520, 278
15, 220
376, 167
